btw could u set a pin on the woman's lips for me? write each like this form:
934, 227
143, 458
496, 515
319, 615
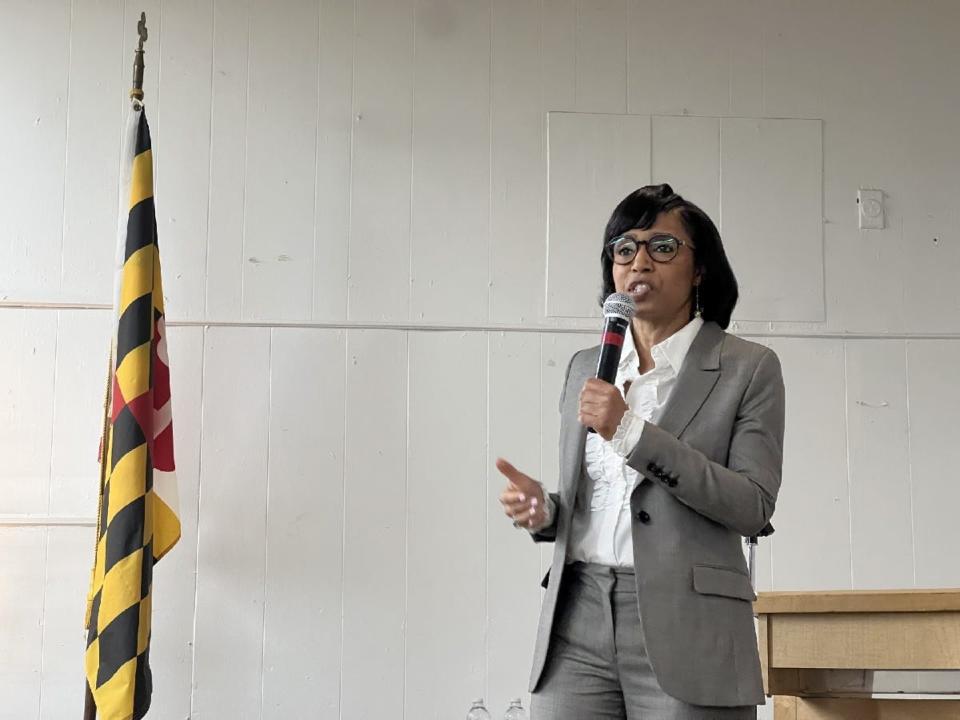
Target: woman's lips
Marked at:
639, 291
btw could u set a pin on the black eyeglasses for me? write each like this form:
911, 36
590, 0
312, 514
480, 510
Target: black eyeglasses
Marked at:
661, 248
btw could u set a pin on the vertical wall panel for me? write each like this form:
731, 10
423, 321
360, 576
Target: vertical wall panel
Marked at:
175, 577
595, 160
228, 159
931, 245
517, 166
228, 645
854, 259
794, 61
601, 64
558, 54
27, 390
446, 524
745, 50
934, 415
278, 249
379, 282
22, 566
301, 654
449, 261
32, 145
83, 349
182, 180
334, 114
66, 579
685, 152
880, 497
513, 559
773, 220
375, 553
91, 174
814, 492
681, 56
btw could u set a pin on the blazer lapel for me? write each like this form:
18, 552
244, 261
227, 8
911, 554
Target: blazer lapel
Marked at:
573, 435
699, 374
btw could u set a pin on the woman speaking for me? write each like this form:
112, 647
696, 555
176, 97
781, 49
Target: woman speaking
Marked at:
648, 613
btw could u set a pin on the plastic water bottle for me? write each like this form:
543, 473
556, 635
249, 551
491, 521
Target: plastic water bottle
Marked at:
478, 711
515, 711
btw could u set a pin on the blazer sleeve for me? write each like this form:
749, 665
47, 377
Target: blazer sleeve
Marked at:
742, 495
549, 532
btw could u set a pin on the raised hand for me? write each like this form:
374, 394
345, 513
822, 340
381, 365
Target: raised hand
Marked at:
522, 498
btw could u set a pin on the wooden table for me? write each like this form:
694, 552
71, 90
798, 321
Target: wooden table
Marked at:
809, 639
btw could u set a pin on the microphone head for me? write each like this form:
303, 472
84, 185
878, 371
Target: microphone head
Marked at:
619, 305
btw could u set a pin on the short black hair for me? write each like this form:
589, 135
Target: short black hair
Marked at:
639, 210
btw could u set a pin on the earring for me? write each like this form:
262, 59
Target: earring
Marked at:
699, 310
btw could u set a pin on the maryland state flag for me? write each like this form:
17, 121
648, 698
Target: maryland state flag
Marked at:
137, 520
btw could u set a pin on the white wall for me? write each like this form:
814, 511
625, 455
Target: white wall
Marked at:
353, 208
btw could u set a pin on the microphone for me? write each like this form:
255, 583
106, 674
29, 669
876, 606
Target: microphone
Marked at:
618, 311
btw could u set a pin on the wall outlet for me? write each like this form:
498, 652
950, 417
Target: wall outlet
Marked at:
870, 204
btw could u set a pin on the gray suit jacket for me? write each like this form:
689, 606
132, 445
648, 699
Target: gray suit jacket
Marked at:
710, 473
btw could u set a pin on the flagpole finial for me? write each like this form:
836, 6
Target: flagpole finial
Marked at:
136, 93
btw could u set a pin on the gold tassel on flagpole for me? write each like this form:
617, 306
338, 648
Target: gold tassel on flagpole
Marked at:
136, 92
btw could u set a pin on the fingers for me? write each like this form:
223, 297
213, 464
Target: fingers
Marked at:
521, 509
529, 514
597, 391
523, 482
595, 404
506, 469
596, 385
522, 500
515, 500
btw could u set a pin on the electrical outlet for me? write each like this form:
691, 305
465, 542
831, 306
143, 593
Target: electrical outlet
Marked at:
870, 204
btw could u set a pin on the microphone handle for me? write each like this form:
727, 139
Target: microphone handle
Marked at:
614, 330
611, 345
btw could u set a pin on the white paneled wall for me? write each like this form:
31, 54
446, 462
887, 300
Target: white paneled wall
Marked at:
592, 158
379, 224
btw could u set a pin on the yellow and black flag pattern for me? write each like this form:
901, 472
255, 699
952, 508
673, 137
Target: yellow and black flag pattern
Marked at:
137, 520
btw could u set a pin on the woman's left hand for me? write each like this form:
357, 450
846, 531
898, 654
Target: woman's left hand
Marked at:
601, 407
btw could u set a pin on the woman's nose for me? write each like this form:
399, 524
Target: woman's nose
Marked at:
642, 259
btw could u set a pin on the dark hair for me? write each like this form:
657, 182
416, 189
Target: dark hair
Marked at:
639, 210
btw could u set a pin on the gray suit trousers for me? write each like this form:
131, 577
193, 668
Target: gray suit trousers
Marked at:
597, 664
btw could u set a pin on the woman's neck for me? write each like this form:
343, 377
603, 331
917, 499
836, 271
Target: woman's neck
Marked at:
647, 333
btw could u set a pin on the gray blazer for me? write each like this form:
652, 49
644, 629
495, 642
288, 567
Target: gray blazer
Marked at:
710, 473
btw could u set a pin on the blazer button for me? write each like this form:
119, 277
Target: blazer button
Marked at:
643, 516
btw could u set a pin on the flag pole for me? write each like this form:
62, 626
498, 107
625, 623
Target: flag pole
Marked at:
136, 97
136, 92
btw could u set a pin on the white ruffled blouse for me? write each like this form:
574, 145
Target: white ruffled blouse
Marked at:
601, 529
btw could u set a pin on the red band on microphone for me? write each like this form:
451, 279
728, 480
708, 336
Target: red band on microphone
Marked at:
612, 338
